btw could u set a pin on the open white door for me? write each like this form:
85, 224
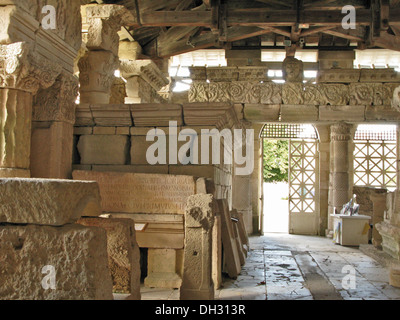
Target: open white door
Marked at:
303, 187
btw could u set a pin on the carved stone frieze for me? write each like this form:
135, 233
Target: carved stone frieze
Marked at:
271, 93
199, 91
292, 93
219, 92
334, 94
396, 99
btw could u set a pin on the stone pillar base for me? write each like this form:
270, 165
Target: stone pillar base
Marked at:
14, 173
163, 280
195, 294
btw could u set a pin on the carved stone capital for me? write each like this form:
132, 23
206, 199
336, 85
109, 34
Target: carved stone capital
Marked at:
22, 68
57, 103
97, 71
341, 131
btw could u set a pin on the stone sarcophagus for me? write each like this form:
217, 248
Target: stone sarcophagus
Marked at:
156, 203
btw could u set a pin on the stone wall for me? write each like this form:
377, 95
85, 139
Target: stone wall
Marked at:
112, 138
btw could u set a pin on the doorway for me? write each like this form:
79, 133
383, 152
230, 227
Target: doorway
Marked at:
290, 173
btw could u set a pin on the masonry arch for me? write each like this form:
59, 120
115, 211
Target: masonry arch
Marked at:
302, 204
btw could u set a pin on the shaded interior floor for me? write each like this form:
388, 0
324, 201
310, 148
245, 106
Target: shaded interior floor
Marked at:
291, 267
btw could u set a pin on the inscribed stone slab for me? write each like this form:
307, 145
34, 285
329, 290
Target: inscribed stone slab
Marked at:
141, 193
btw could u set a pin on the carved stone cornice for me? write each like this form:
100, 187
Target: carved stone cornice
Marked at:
24, 69
111, 12
229, 74
145, 69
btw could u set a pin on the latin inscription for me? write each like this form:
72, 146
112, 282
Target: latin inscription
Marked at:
141, 193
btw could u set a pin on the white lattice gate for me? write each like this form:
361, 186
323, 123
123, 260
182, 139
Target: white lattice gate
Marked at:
303, 174
303, 187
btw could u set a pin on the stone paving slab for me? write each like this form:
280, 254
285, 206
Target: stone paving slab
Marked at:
272, 272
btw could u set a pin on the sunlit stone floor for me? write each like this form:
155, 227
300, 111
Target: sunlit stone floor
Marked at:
289, 267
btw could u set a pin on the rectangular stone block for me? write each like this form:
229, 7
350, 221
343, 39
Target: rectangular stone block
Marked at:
103, 149
47, 202
162, 269
74, 254
297, 113
261, 112
51, 150
385, 112
141, 193
123, 253
156, 114
111, 115
338, 113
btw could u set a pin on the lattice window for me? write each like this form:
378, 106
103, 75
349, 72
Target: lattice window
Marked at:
288, 131
375, 156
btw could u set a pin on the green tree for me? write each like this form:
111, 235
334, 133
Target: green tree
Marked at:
276, 161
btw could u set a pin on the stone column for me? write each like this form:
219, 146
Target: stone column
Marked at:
324, 171
98, 65
52, 128
257, 180
197, 281
341, 177
22, 73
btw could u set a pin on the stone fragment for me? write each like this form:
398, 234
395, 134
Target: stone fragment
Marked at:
231, 256
47, 202
75, 255
394, 278
217, 253
123, 253
197, 281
